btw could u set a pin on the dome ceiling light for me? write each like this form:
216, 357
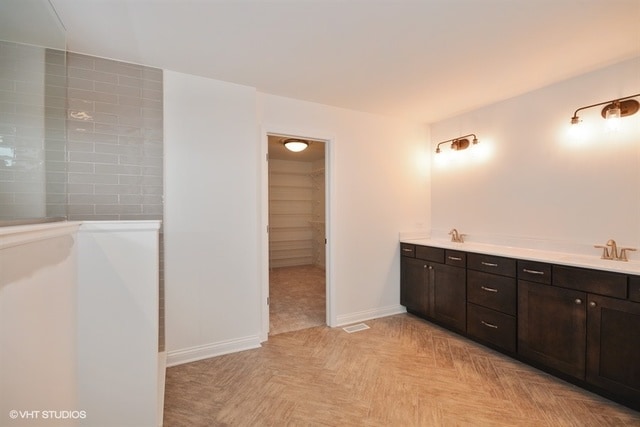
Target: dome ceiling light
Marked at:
296, 145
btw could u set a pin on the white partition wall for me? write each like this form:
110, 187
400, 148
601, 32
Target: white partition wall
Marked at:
118, 374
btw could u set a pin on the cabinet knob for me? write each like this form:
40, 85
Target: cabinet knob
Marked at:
430, 267
592, 304
578, 301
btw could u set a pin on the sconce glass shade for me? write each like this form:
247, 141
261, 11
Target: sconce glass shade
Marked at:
613, 115
295, 145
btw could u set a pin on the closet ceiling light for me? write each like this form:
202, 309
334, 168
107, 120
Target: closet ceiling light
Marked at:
295, 145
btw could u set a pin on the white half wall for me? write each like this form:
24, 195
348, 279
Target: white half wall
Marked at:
535, 185
120, 375
212, 287
38, 359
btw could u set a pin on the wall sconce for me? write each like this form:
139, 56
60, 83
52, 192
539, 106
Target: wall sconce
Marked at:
613, 110
459, 143
295, 145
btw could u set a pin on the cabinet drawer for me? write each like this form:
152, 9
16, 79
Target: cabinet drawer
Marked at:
492, 264
534, 271
593, 281
407, 249
491, 326
430, 254
634, 288
492, 291
456, 258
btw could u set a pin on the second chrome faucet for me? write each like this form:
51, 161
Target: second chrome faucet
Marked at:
610, 251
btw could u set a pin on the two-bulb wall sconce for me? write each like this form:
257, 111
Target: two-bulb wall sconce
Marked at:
613, 110
459, 143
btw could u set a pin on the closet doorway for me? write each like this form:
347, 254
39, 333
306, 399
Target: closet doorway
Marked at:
297, 237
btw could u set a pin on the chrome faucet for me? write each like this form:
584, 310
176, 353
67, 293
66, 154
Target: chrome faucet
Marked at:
455, 236
610, 251
613, 252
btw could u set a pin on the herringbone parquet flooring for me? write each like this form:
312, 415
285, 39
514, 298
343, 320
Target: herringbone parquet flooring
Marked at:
402, 371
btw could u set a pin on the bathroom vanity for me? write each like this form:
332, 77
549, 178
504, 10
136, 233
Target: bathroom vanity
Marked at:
577, 317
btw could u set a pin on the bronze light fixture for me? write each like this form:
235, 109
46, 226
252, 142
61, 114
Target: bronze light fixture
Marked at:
296, 145
459, 143
614, 109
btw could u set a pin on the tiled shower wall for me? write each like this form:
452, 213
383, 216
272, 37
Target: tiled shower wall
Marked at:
32, 131
114, 140
114, 144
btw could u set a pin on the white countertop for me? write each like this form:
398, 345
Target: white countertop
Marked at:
560, 258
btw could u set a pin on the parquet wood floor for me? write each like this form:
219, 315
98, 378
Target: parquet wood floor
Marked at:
402, 371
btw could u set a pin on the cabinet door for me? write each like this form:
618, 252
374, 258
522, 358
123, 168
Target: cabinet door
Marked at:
449, 296
414, 285
552, 327
613, 346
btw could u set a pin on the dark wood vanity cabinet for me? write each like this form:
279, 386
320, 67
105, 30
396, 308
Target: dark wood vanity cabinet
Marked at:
571, 327
613, 346
450, 302
432, 285
578, 323
491, 300
552, 327
416, 276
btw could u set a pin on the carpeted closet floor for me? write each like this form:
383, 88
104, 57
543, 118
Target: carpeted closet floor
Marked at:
297, 298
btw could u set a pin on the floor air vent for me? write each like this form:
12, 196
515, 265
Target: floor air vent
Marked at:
356, 328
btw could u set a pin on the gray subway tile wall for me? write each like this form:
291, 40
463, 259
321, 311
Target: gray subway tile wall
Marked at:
114, 127
32, 131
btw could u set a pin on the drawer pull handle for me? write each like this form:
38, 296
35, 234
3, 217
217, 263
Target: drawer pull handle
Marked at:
484, 288
488, 264
578, 301
526, 270
489, 325
454, 258
407, 250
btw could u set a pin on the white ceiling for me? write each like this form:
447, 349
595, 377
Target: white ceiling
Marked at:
423, 60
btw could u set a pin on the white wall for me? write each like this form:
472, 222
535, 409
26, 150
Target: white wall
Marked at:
212, 291
216, 204
535, 186
378, 186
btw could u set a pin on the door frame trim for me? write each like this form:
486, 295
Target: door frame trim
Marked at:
330, 148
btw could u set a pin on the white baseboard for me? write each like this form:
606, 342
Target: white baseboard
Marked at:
361, 316
179, 357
